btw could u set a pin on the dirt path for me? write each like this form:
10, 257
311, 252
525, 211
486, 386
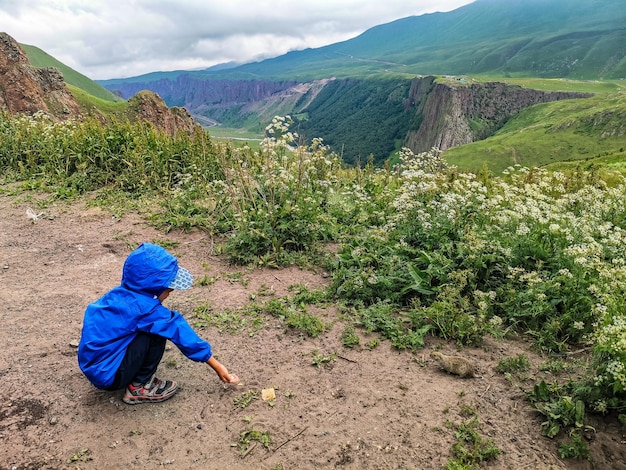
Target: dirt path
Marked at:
369, 409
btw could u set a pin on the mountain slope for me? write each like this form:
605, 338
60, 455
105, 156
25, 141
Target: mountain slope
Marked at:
363, 118
558, 38
40, 59
563, 131
581, 39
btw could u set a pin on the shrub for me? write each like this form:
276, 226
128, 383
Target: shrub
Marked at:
277, 196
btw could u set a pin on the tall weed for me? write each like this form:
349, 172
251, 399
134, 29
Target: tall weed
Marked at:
423, 247
277, 196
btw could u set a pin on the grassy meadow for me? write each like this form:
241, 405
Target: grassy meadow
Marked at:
39, 58
235, 136
424, 248
569, 132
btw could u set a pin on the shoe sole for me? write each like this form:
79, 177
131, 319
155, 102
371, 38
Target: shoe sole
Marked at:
132, 400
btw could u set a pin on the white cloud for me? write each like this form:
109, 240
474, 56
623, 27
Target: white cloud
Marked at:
122, 38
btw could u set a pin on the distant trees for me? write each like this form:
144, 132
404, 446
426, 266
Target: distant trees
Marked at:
359, 118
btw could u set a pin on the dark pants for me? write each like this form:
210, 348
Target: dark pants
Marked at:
140, 363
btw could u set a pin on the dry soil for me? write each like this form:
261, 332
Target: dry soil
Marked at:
365, 409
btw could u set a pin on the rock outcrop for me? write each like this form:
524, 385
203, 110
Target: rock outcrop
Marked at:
148, 106
26, 89
449, 115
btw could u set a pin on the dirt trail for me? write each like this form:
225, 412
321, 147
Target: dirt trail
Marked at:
366, 409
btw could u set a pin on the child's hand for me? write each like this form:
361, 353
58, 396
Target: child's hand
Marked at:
222, 372
230, 378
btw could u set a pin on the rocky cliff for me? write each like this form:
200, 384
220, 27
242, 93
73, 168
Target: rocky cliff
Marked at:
25, 89
453, 114
355, 116
198, 94
148, 106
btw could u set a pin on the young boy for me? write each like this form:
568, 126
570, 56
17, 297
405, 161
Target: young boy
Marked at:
125, 331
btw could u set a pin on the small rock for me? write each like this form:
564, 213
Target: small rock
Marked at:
54, 420
268, 394
74, 343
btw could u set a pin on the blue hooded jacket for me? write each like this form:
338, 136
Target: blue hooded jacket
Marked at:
113, 321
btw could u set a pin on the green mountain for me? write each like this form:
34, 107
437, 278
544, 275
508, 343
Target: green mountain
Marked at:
579, 39
582, 39
40, 59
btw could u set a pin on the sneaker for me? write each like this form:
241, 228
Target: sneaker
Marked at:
154, 391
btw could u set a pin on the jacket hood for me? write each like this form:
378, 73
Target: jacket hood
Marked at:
149, 269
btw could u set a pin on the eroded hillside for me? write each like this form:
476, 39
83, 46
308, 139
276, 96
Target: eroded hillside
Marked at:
25, 89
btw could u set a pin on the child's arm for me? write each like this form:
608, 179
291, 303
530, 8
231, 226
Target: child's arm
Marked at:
222, 372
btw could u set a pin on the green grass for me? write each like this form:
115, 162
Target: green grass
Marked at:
552, 133
615, 162
603, 87
238, 137
245, 399
471, 448
88, 101
39, 59
519, 363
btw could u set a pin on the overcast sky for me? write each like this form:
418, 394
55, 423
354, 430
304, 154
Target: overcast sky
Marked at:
123, 38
